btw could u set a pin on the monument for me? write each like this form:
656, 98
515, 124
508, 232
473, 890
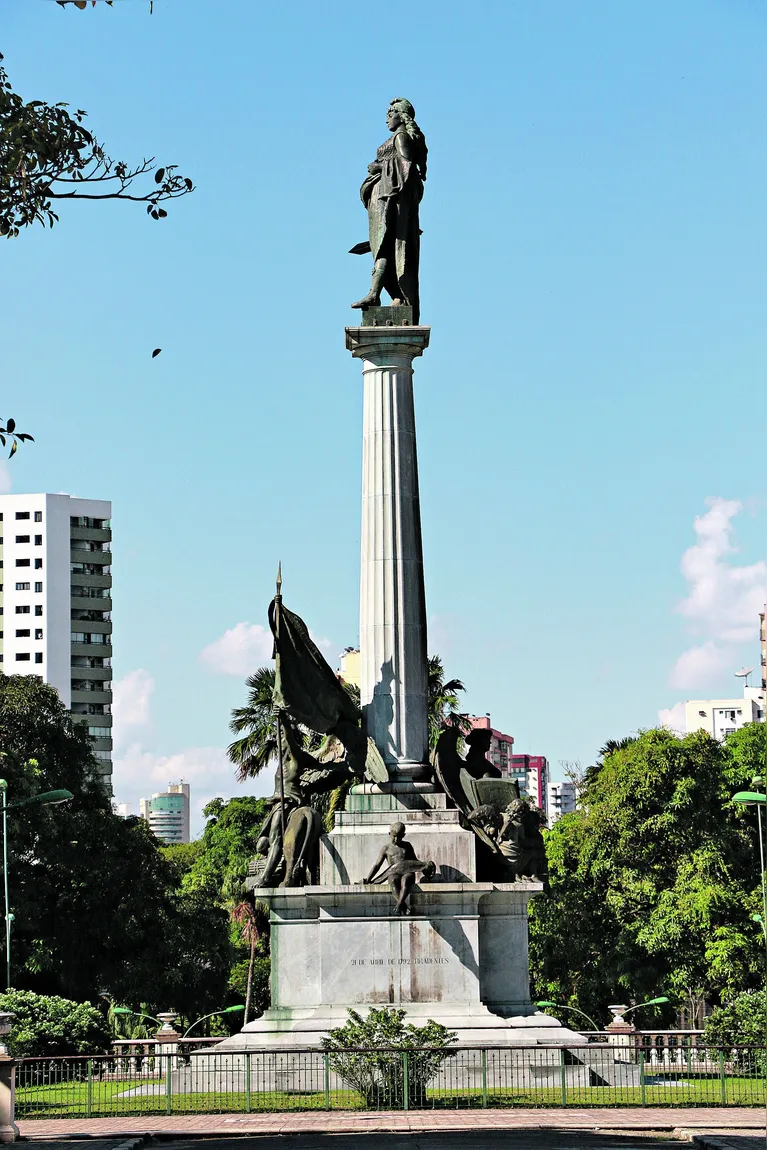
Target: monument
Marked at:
418, 896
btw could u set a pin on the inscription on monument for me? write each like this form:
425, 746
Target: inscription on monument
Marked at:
400, 962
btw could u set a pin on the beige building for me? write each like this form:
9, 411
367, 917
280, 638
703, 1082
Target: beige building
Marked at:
720, 717
349, 671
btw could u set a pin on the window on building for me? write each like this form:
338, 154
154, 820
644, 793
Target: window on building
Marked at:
22, 515
22, 563
100, 732
22, 586
38, 632
38, 517
38, 540
38, 588
22, 539
38, 564
24, 610
38, 656
22, 633
38, 608
22, 657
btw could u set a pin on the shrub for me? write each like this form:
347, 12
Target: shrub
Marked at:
46, 1025
741, 1022
367, 1053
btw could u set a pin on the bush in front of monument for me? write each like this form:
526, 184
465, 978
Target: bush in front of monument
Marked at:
738, 1027
382, 1056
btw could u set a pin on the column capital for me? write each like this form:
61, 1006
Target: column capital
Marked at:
372, 342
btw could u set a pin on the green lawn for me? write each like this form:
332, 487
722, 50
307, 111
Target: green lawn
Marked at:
102, 1098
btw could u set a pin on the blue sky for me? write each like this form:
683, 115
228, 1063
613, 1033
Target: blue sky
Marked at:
593, 269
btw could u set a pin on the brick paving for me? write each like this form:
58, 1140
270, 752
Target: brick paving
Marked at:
719, 1121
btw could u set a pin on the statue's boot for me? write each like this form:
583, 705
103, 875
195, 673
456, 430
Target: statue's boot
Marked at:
373, 298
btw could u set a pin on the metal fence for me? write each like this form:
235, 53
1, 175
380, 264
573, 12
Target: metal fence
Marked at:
387, 1079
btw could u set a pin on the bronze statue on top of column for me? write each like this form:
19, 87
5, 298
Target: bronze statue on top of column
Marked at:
391, 194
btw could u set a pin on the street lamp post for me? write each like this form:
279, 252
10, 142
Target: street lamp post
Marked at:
47, 798
227, 1010
758, 799
138, 1014
574, 1009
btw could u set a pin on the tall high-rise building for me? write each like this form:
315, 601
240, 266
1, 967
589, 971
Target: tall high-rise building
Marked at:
167, 813
56, 604
532, 774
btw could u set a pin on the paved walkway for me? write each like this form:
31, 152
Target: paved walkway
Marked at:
719, 1120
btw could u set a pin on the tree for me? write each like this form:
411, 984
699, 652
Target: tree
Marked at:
96, 904
367, 1053
443, 701
49, 1026
47, 155
653, 880
258, 744
741, 1022
217, 876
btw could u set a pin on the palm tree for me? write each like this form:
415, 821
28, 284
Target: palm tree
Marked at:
255, 721
443, 701
252, 752
244, 914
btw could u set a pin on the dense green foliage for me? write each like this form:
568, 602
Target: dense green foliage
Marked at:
96, 905
46, 154
48, 1025
741, 1022
213, 870
655, 878
367, 1054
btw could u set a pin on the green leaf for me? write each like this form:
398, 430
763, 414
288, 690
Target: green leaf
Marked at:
159, 175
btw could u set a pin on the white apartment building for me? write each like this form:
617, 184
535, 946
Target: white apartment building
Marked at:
720, 717
56, 603
167, 813
562, 798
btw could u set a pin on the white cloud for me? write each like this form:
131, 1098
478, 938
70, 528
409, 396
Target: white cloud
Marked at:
700, 666
139, 773
723, 600
239, 651
674, 719
130, 707
247, 646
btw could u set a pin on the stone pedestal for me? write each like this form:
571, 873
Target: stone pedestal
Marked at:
459, 958
393, 664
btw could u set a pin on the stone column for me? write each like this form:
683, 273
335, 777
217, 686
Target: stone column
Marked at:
393, 665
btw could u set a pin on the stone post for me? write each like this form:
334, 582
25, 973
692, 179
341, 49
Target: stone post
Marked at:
621, 1034
9, 1131
393, 665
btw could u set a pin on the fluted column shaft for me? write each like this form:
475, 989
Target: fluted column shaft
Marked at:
393, 663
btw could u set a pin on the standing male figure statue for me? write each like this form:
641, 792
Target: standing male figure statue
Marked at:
391, 193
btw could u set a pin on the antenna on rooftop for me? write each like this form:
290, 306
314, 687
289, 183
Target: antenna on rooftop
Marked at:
743, 673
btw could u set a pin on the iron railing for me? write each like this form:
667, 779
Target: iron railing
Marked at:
383, 1079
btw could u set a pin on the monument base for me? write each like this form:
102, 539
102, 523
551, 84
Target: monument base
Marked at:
460, 957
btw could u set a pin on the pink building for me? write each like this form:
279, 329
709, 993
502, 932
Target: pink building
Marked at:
530, 771
500, 746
